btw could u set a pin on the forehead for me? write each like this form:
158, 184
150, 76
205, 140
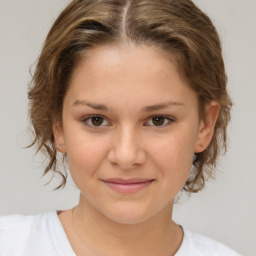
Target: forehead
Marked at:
130, 59
138, 72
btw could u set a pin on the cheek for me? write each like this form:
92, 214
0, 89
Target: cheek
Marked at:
85, 155
173, 156
175, 149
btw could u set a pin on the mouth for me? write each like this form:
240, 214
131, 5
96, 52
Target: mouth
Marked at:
128, 186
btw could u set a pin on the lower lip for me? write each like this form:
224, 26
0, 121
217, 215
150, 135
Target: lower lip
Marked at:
127, 188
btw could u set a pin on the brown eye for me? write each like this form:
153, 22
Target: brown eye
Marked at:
95, 121
158, 120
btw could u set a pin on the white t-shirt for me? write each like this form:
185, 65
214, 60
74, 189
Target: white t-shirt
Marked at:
43, 235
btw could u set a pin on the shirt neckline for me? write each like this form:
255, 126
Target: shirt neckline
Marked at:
62, 245
65, 247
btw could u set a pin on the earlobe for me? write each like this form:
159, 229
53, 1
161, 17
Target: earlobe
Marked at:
206, 127
59, 137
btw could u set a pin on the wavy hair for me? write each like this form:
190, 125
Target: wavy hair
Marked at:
177, 26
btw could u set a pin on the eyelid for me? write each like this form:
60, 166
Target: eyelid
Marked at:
86, 118
169, 118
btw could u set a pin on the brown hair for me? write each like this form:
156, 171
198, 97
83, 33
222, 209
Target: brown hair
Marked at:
177, 26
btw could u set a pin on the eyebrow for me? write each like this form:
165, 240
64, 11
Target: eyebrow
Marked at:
103, 107
91, 105
162, 106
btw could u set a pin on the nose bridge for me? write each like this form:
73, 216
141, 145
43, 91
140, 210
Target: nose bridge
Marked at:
127, 140
127, 149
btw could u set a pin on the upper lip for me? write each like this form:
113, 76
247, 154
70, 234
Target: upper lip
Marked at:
127, 181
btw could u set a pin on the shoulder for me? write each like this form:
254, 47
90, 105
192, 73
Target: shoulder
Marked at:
196, 244
25, 224
16, 221
18, 232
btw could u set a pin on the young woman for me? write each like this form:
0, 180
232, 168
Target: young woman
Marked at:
133, 94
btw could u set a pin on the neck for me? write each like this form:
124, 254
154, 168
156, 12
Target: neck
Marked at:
158, 235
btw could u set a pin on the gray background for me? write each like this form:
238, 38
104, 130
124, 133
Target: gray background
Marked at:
225, 210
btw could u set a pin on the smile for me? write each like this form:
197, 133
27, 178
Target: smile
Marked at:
127, 186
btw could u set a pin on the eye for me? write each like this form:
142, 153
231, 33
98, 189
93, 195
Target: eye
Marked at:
95, 121
160, 121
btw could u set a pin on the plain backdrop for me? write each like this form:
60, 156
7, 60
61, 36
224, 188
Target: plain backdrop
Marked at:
225, 210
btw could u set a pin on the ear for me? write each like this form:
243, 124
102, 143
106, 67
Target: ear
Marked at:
59, 137
206, 127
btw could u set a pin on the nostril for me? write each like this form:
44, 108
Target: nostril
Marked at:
126, 160
126, 149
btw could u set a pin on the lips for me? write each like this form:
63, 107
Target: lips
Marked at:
127, 186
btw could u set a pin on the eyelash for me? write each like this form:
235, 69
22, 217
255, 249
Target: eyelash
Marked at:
168, 120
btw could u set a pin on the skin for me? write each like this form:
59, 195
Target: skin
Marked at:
128, 143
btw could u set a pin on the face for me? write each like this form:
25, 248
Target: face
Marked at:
130, 129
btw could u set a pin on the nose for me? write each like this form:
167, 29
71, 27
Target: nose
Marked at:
127, 150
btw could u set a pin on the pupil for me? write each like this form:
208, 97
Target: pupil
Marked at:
159, 120
97, 120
